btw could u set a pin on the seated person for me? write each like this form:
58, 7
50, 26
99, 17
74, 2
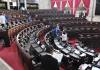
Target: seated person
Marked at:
64, 37
49, 62
73, 42
96, 60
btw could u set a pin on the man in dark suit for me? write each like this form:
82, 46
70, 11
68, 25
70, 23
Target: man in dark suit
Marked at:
48, 61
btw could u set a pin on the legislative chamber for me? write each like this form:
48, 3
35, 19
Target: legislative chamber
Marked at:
49, 35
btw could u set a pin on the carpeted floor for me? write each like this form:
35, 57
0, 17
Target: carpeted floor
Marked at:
10, 55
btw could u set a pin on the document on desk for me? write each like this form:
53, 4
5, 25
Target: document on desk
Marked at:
58, 56
89, 53
4, 65
74, 55
81, 49
95, 68
65, 50
58, 44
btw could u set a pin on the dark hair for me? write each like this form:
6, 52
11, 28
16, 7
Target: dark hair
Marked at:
2, 25
64, 32
49, 49
88, 68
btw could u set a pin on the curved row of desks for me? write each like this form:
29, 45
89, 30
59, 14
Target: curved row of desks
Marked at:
28, 44
29, 39
36, 33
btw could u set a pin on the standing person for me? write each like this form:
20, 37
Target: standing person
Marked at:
3, 20
81, 14
29, 18
56, 31
4, 31
64, 37
22, 8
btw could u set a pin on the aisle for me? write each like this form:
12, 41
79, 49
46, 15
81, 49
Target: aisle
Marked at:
10, 55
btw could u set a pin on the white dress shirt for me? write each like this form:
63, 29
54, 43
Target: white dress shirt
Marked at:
3, 19
64, 37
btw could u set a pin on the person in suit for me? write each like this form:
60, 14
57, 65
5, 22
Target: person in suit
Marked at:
4, 30
56, 31
64, 37
49, 62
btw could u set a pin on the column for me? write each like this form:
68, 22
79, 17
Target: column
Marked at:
18, 3
73, 7
25, 3
8, 5
60, 5
92, 10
